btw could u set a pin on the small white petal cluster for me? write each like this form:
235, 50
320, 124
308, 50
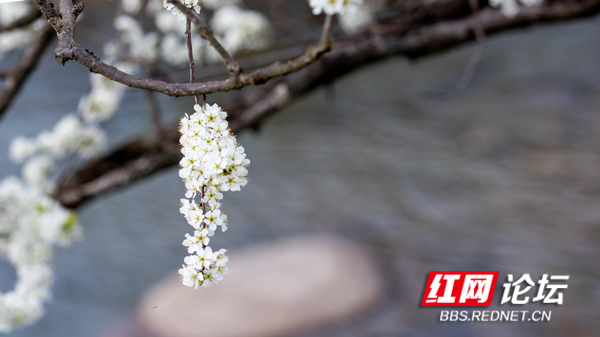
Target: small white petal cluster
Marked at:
356, 18
195, 4
37, 170
510, 8
212, 163
331, 7
131, 6
102, 101
173, 48
31, 223
132, 37
19, 37
238, 29
68, 136
13, 11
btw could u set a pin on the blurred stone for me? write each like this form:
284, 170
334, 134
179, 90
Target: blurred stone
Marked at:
272, 290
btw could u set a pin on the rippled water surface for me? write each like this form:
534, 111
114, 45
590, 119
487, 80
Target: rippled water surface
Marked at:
505, 176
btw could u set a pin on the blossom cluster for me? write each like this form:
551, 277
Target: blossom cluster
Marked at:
353, 15
195, 4
239, 29
356, 17
332, 7
139, 45
18, 37
102, 101
212, 163
172, 47
132, 7
510, 8
69, 136
30, 224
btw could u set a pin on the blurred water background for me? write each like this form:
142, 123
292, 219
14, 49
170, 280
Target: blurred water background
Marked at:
504, 176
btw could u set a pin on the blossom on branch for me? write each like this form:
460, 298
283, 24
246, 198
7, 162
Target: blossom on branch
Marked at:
194, 4
212, 163
31, 223
332, 7
510, 8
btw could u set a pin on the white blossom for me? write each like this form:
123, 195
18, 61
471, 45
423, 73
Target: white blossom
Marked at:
191, 277
18, 37
30, 224
510, 8
139, 45
102, 102
173, 49
13, 11
132, 6
22, 148
37, 170
239, 29
70, 135
355, 18
332, 7
195, 4
212, 162
14, 39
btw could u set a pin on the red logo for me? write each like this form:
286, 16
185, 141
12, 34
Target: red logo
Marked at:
460, 288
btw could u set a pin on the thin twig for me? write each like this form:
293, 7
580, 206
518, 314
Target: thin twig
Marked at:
67, 50
188, 38
326, 32
249, 62
206, 32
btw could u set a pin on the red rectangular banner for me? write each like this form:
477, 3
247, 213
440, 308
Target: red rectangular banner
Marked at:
460, 288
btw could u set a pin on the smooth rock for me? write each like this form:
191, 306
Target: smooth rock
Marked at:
271, 290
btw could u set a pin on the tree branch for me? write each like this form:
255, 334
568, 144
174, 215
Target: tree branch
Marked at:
232, 66
397, 36
15, 76
188, 40
67, 50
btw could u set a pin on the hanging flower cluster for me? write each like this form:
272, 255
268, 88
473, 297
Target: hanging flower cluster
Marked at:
30, 224
212, 163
